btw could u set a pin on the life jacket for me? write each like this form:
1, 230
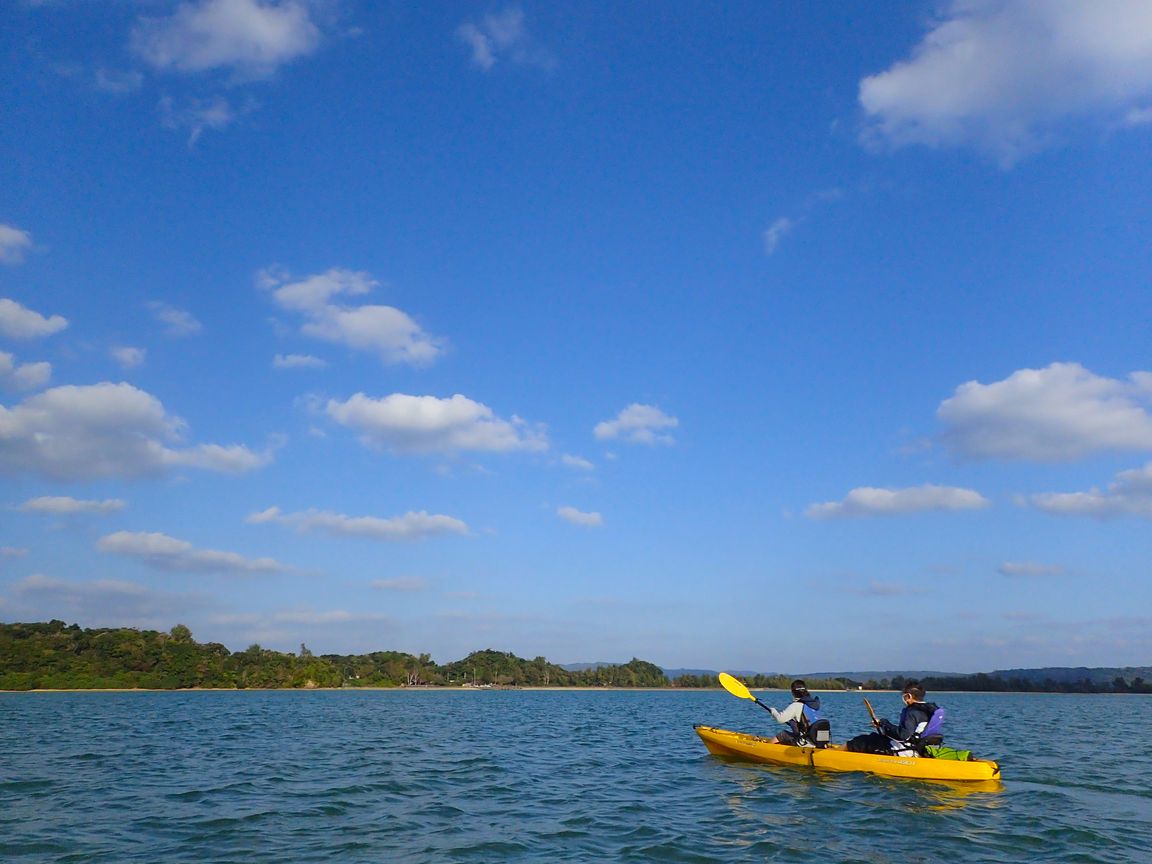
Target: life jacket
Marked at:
809, 715
928, 732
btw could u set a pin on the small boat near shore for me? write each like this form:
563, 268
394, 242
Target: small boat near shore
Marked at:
753, 748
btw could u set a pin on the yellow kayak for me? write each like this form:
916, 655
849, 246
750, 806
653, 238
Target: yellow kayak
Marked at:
752, 748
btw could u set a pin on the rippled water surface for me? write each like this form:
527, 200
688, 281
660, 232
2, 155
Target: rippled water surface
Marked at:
427, 776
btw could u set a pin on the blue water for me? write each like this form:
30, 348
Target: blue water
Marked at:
489, 776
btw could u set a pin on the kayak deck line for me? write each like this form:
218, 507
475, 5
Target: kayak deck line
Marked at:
755, 748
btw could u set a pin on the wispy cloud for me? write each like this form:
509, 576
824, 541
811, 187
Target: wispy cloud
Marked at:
503, 37
200, 115
1029, 569
297, 361
1004, 77
871, 501
639, 424
14, 244
1129, 494
401, 584
169, 553
427, 424
410, 526
577, 462
579, 517
127, 357
1056, 414
776, 232
103, 602
62, 505
177, 322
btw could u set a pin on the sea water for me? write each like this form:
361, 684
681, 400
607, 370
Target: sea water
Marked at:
506, 775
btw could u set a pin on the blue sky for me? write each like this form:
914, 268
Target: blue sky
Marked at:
767, 336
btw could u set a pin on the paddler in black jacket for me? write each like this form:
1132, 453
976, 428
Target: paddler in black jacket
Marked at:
916, 711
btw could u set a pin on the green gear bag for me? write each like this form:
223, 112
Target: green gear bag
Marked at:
941, 752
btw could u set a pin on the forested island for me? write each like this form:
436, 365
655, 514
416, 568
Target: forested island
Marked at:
60, 656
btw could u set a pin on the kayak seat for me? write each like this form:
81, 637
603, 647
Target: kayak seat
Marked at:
818, 734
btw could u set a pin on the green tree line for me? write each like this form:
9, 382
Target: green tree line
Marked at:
59, 656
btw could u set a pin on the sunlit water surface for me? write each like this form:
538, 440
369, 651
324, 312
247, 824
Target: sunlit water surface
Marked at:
489, 776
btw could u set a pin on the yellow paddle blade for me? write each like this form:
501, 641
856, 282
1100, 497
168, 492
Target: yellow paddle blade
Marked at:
735, 687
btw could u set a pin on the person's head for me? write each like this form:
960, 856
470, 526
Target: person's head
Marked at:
799, 689
913, 692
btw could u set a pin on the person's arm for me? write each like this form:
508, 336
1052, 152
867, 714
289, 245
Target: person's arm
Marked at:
913, 716
792, 712
889, 728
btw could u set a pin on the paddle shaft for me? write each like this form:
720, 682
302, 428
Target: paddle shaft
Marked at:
872, 714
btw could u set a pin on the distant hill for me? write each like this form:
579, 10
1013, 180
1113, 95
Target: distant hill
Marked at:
1076, 674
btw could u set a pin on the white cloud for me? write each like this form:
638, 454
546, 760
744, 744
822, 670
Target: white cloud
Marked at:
412, 525
1056, 414
776, 232
870, 501
13, 244
104, 430
64, 505
402, 583
128, 358
577, 462
1129, 494
578, 517
18, 322
1003, 75
199, 115
254, 37
297, 361
169, 553
502, 36
1029, 569
640, 424
102, 602
384, 330
177, 322
22, 376
12, 552
427, 424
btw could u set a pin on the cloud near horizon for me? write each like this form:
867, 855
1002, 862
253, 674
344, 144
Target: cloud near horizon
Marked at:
410, 526
1057, 414
426, 424
871, 501
174, 555
105, 430
1007, 77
